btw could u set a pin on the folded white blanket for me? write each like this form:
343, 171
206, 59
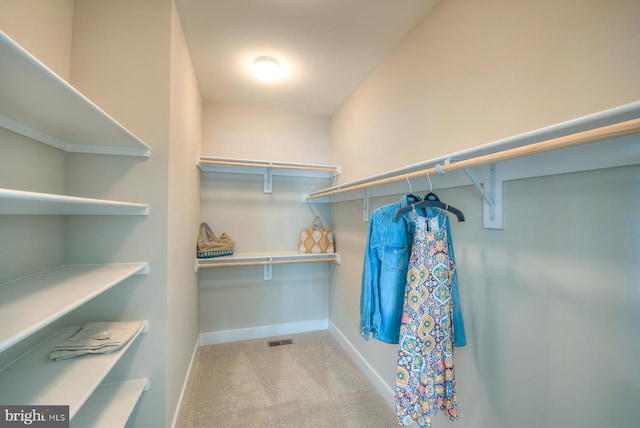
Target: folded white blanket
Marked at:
96, 338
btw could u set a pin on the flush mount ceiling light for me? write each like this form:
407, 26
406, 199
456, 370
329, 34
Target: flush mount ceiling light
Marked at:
266, 68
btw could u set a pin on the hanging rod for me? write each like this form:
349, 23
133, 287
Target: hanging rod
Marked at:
615, 130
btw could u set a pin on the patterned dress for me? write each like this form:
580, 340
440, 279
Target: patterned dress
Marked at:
426, 380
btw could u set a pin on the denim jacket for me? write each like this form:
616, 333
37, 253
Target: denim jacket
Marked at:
384, 276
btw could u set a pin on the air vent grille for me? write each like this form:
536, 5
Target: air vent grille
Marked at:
280, 342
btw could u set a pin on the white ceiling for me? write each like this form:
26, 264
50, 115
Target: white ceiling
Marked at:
327, 47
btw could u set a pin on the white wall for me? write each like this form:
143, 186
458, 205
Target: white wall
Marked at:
238, 298
474, 72
231, 130
551, 302
42, 28
19, 155
184, 215
121, 60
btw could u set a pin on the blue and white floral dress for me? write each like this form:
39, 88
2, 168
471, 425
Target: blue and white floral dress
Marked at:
426, 379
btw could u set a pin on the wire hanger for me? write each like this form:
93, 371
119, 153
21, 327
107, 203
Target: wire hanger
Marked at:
410, 195
430, 200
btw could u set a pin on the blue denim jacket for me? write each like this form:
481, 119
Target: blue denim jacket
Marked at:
384, 276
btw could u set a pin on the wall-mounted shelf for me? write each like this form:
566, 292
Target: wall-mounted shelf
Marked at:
20, 202
37, 103
266, 168
111, 404
602, 140
29, 304
266, 259
37, 380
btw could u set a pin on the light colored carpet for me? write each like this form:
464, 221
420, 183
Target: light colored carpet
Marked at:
311, 383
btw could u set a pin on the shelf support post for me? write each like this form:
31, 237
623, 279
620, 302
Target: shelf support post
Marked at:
268, 179
492, 205
268, 270
365, 207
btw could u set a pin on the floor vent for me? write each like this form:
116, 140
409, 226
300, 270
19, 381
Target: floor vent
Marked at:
281, 342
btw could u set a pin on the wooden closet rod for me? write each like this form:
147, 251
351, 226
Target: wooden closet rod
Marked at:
265, 262
267, 165
585, 137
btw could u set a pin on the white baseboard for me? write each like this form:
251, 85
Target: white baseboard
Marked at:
185, 384
261, 332
387, 393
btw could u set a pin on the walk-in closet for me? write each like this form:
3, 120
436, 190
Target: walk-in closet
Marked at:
505, 132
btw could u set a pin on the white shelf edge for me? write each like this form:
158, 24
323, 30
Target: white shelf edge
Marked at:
43, 106
264, 258
19, 202
37, 380
254, 166
111, 405
28, 304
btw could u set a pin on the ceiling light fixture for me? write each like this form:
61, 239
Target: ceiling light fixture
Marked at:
266, 68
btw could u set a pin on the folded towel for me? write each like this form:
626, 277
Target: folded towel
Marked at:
96, 338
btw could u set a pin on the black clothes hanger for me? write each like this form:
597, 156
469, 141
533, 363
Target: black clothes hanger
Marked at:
411, 198
430, 200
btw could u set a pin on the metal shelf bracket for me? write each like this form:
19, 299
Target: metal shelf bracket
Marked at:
268, 179
268, 270
492, 195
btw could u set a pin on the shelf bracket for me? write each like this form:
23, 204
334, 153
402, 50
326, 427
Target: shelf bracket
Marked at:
492, 205
365, 207
268, 270
268, 179
492, 196
488, 197
145, 327
144, 270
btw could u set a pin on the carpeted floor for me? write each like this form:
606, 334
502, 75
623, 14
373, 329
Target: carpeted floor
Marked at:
311, 383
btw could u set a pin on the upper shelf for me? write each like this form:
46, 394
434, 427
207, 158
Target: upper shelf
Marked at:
21, 202
250, 166
36, 102
266, 168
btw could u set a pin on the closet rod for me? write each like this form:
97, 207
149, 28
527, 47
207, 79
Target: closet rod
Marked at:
267, 165
585, 137
265, 262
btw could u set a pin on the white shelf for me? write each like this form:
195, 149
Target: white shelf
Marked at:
29, 304
20, 202
36, 102
616, 145
251, 166
34, 379
605, 154
266, 259
266, 168
110, 405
